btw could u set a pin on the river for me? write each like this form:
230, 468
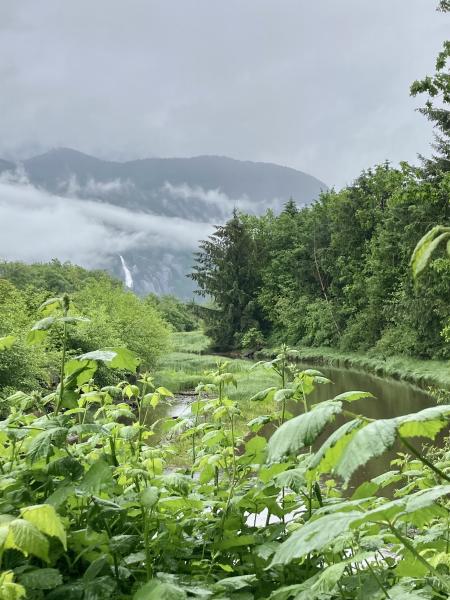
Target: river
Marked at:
392, 398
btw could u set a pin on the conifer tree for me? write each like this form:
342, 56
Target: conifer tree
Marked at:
226, 272
437, 106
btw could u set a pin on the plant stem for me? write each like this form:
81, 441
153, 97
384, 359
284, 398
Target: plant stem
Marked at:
377, 579
63, 363
418, 556
424, 460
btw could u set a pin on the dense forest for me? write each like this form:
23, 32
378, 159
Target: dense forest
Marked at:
336, 273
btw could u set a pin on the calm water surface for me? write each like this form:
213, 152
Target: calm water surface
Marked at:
392, 399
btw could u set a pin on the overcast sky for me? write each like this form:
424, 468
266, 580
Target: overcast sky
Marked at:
319, 85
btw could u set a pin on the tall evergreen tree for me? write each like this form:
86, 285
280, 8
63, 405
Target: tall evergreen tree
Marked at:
437, 107
226, 271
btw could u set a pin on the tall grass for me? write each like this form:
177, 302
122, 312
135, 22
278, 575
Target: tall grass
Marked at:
182, 370
422, 373
194, 342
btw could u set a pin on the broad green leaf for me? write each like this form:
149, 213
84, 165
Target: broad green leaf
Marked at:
255, 451
129, 432
44, 324
426, 246
7, 342
51, 306
24, 536
423, 498
331, 450
314, 536
269, 472
95, 568
265, 551
98, 477
365, 490
293, 478
72, 320
40, 329
8, 589
177, 482
98, 355
369, 442
79, 372
162, 391
115, 358
266, 394
152, 399
46, 519
42, 445
239, 582
232, 540
60, 495
124, 359
156, 590
258, 422
149, 497
326, 582
283, 394
403, 591
426, 423
353, 396
312, 373
131, 390
301, 431
421, 503
70, 591
41, 579
123, 543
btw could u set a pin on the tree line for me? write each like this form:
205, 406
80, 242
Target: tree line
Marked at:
336, 273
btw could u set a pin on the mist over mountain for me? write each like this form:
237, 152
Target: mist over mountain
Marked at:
6, 165
140, 219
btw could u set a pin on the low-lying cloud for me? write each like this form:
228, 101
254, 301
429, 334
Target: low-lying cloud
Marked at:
219, 200
38, 226
93, 188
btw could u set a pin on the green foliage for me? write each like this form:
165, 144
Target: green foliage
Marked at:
337, 273
426, 246
181, 316
253, 339
437, 88
93, 504
227, 271
102, 315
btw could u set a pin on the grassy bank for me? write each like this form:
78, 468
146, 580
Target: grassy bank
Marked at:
184, 368
422, 373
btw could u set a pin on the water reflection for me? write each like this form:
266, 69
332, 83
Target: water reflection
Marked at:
392, 399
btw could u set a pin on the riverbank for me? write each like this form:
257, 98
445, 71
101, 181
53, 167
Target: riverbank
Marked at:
422, 373
189, 359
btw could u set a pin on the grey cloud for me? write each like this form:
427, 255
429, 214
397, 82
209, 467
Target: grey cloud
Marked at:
217, 198
94, 188
318, 85
37, 226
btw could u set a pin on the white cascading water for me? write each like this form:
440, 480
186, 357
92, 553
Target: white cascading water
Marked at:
127, 273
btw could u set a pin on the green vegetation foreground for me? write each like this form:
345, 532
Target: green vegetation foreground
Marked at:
92, 508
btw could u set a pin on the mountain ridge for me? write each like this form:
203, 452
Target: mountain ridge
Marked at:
201, 190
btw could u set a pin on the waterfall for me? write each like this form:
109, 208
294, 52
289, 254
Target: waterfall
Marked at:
127, 273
